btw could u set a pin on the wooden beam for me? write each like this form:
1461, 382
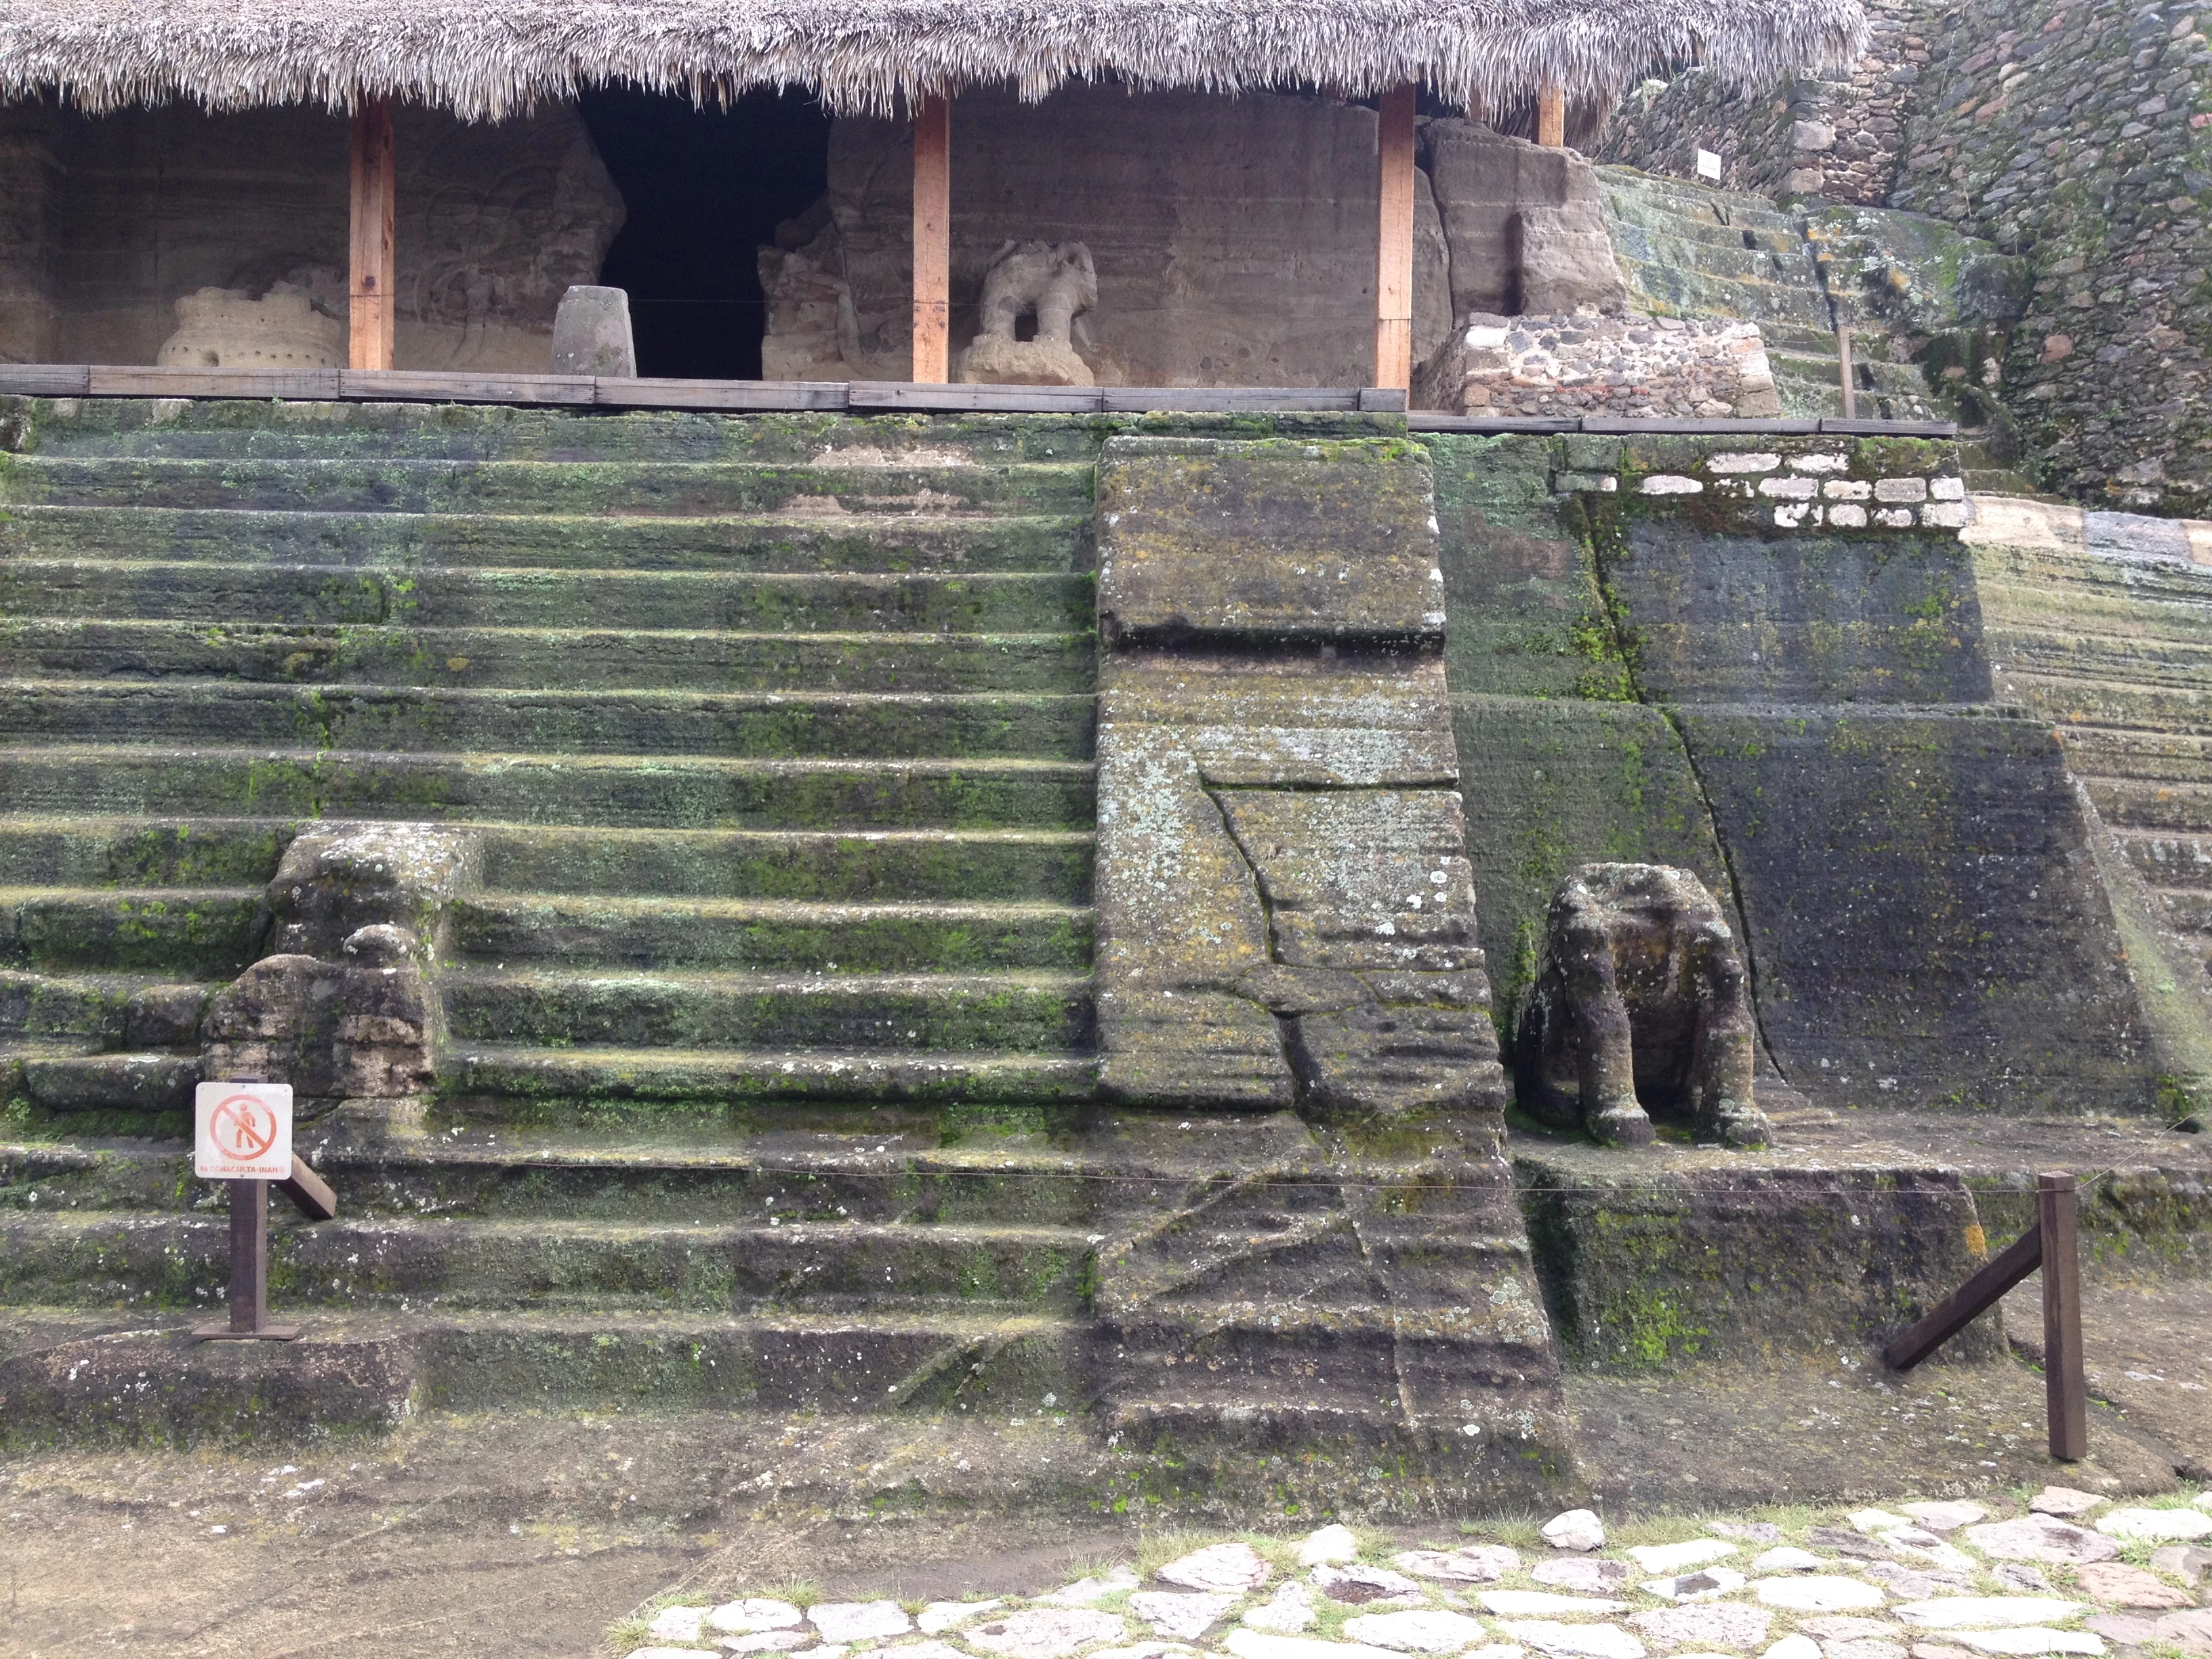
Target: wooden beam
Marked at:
1976, 1296
1551, 117
375, 273
2065, 1390
932, 240
1394, 242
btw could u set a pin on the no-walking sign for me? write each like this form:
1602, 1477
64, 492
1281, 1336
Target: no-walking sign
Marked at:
242, 1131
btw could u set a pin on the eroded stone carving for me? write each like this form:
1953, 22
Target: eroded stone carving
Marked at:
591, 333
223, 328
1640, 1003
344, 1007
1053, 281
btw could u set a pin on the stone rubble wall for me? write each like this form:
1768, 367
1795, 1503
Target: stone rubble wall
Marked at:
1839, 138
2076, 135
1596, 365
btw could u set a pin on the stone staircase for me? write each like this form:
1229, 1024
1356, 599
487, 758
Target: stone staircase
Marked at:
2111, 639
756, 755
1690, 251
774, 741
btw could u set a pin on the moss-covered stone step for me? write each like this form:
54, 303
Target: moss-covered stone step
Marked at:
109, 852
304, 595
2187, 910
2170, 645
60, 1079
272, 430
698, 659
773, 935
2155, 755
491, 1083
2147, 804
107, 1010
757, 724
2086, 703
365, 1373
956, 1013
874, 1162
205, 932
168, 1261
679, 791
2171, 860
628, 488
2037, 581
812, 541
1051, 865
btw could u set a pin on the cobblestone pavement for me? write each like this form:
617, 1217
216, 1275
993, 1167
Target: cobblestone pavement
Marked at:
2065, 1572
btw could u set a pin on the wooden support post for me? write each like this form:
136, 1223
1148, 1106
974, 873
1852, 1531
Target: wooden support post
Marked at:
369, 339
932, 239
1394, 242
2065, 1392
1552, 117
1968, 1302
249, 1272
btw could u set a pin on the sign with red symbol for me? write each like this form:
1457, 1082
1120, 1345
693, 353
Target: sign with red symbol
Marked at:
242, 1131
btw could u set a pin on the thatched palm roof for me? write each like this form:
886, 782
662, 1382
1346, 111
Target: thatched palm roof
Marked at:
869, 55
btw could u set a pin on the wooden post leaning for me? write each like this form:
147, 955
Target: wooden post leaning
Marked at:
375, 271
2051, 1246
1393, 242
932, 240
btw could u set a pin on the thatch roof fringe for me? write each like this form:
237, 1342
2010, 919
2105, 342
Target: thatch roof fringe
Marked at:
872, 56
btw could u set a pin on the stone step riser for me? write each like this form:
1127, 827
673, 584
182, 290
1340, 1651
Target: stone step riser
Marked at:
2128, 803
526, 658
962, 1014
1046, 866
2171, 860
313, 596
762, 725
651, 1087
402, 542
96, 1010
178, 1262
2187, 912
689, 794
633, 489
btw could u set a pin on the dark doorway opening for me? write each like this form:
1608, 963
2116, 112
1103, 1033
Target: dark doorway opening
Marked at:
705, 189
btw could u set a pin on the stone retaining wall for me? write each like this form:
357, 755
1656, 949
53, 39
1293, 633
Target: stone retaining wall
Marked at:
1641, 365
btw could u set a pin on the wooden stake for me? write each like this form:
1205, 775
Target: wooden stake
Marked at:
1394, 256
932, 240
369, 339
2065, 1391
249, 1272
1552, 117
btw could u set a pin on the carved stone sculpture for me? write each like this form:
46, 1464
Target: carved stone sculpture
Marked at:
221, 328
592, 333
1054, 280
1640, 1005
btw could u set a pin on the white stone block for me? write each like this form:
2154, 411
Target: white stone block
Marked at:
1903, 489
1849, 489
1947, 489
1845, 516
1669, 484
1820, 463
1944, 515
1789, 489
1748, 461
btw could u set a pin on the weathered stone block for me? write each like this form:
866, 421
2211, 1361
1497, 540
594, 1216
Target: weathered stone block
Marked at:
1524, 223
592, 333
1272, 540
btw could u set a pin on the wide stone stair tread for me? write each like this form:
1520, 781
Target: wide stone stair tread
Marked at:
2134, 803
529, 657
732, 1075
2119, 751
198, 932
628, 488
725, 545
2082, 704
516, 1262
686, 790
76, 1005
725, 725
497, 927
936, 1011
329, 595
63, 1078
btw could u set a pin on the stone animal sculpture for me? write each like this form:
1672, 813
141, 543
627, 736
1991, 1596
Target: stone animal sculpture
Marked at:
1639, 1004
1055, 280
